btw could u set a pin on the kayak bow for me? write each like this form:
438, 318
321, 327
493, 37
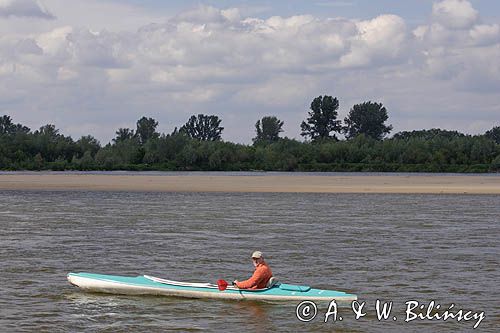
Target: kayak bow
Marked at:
149, 285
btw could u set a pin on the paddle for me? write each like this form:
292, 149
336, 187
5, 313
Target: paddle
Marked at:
222, 284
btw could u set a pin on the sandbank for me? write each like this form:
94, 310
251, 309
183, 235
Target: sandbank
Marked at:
432, 184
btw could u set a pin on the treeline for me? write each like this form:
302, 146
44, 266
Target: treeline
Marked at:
197, 145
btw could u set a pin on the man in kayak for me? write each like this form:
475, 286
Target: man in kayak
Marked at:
261, 275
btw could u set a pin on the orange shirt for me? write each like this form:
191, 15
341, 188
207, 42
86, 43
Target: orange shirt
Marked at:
259, 278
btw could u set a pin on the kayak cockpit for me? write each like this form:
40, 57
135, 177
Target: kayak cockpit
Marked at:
199, 285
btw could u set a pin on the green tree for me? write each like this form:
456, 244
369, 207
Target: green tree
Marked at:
493, 134
428, 134
495, 164
87, 162
88, 144
49, 131
268, 129
367, 118
123, 134
6, 125
105, 157
52, 145
146, 129
9, 128
322, 119
203, 127
127, 152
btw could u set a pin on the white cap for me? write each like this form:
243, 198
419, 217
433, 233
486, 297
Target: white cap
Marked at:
257, 254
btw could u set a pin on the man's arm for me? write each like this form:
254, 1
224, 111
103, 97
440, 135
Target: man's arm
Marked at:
251, 282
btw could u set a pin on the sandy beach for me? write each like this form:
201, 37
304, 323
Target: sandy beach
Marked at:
269, 183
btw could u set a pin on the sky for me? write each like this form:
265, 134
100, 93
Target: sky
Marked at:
91, 67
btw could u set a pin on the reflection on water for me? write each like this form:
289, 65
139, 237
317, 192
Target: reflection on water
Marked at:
388, 247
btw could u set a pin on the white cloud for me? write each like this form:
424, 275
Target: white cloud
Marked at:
24, 8
232, 14
384, 38
54, 41
219, 61
455, 14
483, 34
459, 48
105, 50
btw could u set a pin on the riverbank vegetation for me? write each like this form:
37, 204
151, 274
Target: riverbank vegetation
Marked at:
197, 145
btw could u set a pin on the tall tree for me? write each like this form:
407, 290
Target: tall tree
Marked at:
367, 118
494, 134
53, 145
8, 127
322, 119
49, 131
123, 134
203, 127
268, 129
146, 129
88, 143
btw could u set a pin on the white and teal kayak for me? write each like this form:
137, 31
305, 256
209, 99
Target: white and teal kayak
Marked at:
149, 285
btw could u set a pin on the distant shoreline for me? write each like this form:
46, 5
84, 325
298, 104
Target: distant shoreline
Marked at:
447, 184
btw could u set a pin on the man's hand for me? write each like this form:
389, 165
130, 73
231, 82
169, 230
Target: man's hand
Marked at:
235, 282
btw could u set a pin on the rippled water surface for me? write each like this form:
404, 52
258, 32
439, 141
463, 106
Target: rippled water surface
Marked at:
389, 247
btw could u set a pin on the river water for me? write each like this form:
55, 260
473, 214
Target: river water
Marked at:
388, 247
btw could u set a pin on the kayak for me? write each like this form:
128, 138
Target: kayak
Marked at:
149, 285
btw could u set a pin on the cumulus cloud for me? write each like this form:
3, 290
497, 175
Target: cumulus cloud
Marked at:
24, 8
292, 44
207, 43
383, 39
54, 41
455, 14
97, 49
220, 61
485, 34
459, 48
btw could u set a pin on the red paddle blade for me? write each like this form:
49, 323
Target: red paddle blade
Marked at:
222, 285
